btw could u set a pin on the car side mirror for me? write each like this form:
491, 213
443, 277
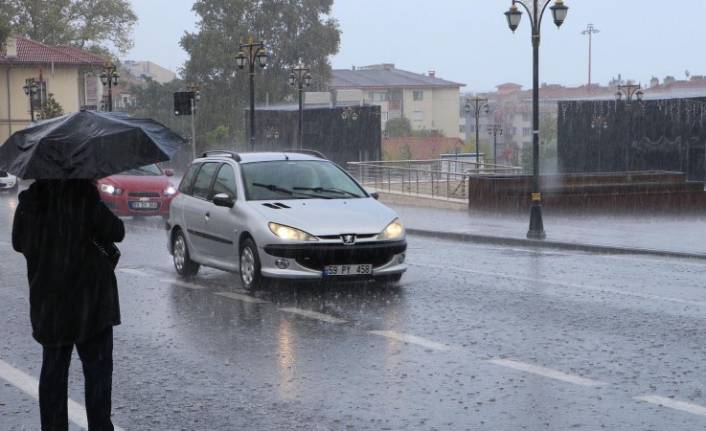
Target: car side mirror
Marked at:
169, 172
375, 195
223, 200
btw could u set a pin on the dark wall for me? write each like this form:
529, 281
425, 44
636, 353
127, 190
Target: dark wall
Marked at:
610, 136
325, 130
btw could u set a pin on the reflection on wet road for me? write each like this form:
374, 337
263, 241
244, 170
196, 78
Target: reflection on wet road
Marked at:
475, 337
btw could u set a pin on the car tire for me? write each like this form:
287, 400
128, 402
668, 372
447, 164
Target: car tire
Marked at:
249, 267
183, 264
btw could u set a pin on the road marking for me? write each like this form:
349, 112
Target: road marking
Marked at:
412, 339
673, 404
545, 372
134, 271
240, 297
313, 315
30, 386
182, 283
560, 284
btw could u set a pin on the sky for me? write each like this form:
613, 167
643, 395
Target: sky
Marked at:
468, 41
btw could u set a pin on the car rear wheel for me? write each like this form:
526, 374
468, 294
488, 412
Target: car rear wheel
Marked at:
183, 264
250, 273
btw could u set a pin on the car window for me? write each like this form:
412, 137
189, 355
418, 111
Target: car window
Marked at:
298, 179
203, 180
186, 183
225, 181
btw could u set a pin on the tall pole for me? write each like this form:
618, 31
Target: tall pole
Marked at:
300, 133
536, 228
590, 31
475, 105
477, 140
193, 127
252, 106
251, 53
299, 77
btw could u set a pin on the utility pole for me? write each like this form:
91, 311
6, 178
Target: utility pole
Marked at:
590, 31
195, 96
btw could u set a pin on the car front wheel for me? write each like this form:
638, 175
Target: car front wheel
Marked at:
250, 266
183, 264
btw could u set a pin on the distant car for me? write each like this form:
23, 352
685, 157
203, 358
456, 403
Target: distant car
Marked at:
281, 215
8, 182
145, 191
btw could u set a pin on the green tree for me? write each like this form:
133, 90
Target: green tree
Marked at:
89, 24
292, 30
398, 128
547, 147
156, 101
50, 108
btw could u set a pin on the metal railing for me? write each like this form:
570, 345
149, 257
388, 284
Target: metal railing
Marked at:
435, 178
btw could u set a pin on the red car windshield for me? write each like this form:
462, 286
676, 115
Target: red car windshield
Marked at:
149, 170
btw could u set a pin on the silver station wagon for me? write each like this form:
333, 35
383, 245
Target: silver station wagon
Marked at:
285, 215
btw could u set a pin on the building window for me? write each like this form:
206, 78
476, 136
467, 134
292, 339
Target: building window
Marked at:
418, 95
418, 116
526, 131
378, 96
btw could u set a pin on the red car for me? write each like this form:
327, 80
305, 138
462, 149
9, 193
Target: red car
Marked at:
145, 191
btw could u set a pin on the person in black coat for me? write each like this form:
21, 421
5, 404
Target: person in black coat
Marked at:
73, 292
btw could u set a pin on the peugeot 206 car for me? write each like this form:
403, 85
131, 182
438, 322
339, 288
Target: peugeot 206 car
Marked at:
282, 215
144, 191
8, 182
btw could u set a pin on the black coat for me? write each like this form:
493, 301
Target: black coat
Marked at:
73, 292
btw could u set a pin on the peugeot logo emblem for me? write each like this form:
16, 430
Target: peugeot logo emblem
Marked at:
348, 239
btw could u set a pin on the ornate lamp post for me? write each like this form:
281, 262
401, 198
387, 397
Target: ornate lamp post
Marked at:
109, 78
31, 88
630, 92
535, 9
300, 77
252, 53
475, 105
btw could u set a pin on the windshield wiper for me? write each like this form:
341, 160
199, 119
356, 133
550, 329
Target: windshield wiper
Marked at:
274, 188
328, 190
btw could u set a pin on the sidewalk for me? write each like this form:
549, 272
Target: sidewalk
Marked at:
662, 234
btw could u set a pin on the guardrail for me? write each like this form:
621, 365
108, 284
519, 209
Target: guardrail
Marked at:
435, 178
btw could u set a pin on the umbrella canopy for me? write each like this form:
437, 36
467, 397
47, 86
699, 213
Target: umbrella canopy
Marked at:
87, 145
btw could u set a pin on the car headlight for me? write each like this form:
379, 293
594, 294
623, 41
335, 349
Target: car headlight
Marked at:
170, 191
290, 233
394, 230
111, 189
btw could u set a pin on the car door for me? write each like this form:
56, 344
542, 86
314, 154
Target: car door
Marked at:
220, 227
196, 207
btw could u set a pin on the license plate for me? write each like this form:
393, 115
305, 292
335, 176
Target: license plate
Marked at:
144, 205
338, 270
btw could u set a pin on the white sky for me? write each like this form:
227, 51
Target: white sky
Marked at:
468, 40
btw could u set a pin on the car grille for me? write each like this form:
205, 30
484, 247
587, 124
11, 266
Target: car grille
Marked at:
316, 256
143, 194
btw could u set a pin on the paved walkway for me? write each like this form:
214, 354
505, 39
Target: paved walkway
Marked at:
664, 233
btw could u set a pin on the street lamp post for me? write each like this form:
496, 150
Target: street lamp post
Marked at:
629, 92
535, 9
109, 78
193, 100
590, 31
475, 105
31, 88
495, 130
252, 53
300, 77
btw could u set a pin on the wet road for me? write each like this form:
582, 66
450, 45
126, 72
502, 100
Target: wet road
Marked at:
475, 337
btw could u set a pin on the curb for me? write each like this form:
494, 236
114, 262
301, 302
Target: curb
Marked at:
592, 248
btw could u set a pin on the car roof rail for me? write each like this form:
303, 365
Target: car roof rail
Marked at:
307, 152
223, 153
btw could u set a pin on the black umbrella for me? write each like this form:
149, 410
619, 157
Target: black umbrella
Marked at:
87, 145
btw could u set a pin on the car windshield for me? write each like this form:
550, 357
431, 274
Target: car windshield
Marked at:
149, 170
297, 179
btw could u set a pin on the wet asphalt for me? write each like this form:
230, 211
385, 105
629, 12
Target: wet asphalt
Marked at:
475, 337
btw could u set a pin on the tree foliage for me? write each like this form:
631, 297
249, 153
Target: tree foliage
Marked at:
398, 128
50, 108
89, 24
292, 30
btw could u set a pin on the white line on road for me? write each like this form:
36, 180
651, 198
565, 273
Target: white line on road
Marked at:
673, 404
134, 271
412, 339
545, 372
313, 315
30, 385
240, 297
180, 283
573, 286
